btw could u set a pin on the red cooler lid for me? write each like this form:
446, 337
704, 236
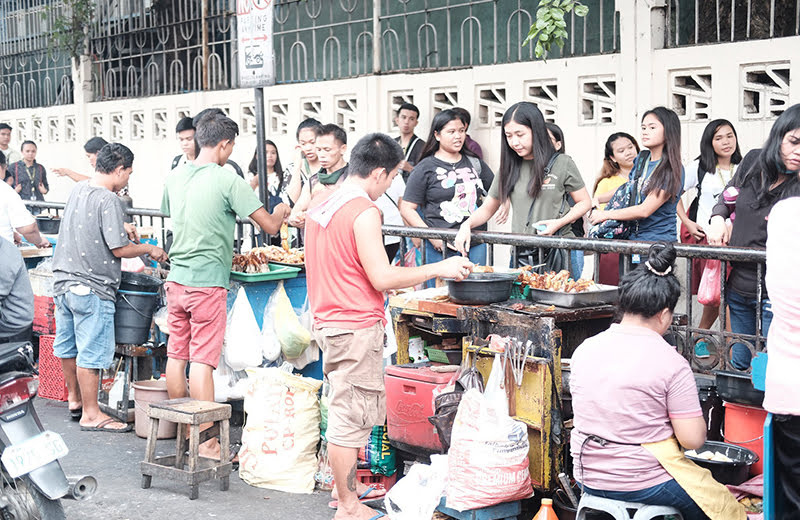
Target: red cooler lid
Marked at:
420, 372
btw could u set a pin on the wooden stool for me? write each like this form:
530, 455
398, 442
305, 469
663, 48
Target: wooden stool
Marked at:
189, 413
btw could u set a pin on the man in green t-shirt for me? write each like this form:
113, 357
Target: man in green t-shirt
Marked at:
203, 199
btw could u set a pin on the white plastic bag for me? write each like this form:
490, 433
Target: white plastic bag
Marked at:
242, 335
495, 391
280, 437
488, 457
270, 346
311, 353
416, 495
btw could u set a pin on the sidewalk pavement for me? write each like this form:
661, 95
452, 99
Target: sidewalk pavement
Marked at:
113, 459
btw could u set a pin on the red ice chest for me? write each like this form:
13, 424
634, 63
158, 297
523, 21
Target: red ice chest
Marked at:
409, 403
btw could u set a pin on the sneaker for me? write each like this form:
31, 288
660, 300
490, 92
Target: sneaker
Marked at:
701, 350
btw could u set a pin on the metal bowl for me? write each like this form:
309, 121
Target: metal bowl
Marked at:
737, 387
481, 288
48, 225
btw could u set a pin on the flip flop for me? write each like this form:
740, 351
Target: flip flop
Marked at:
363, 498
76, 414
379, 515
101, 427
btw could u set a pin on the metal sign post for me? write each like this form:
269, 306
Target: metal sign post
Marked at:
257, 69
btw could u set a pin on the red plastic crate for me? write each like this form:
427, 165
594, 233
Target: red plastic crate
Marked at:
369, 478
44, 311
51, 378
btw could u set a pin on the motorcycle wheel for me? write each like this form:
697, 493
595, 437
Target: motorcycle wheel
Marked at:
25, 502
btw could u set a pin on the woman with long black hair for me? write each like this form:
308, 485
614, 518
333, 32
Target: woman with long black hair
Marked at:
765, 177
661, 183
446, 185
535, 179
708, 175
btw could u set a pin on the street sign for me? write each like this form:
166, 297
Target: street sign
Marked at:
254, 34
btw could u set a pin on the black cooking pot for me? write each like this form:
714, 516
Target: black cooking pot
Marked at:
48, 225
737, 387
481, 288
733, 473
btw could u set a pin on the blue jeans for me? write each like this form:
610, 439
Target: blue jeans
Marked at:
743, 321
477, 255
670, 493
575, 263
84, 330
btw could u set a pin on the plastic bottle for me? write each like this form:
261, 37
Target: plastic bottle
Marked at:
546, 511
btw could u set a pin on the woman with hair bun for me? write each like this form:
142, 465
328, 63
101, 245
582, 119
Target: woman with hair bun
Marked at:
635, 404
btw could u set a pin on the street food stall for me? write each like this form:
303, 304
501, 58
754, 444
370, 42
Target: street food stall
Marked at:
429, 324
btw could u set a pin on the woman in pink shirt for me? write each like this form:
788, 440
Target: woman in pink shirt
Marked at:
629, 388
782, 390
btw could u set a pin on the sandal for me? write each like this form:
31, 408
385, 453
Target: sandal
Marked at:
102, 427
363, 497
76, 414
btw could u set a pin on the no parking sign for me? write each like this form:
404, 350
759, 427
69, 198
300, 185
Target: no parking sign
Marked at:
254, 35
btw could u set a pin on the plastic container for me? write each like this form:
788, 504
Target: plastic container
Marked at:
546, 511
733, 473
133, 316
481, 288
276, 272
737, 387
744, 426
409, 403
152, 392
139, 282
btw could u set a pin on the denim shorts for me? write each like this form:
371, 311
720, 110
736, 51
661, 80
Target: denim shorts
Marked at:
84, 330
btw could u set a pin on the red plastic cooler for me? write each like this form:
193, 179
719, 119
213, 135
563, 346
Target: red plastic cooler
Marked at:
409, 403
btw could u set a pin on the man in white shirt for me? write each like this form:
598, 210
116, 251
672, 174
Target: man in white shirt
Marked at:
11, 155
14, 216
388, 203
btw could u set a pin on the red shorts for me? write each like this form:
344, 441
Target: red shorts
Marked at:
196, 321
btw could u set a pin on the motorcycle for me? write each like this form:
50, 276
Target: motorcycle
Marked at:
33, 481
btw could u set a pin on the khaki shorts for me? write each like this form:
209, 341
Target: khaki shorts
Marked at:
353, 364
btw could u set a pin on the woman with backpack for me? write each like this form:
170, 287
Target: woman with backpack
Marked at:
446, 186
657, 177
708, 175
538, 181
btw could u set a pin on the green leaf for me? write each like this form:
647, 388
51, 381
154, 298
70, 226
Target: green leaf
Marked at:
581, 10
540, 24
539, 51
544, 37
541, 12
556, 14
561, 23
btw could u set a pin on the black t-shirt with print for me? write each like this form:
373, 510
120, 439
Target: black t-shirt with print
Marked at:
447, 194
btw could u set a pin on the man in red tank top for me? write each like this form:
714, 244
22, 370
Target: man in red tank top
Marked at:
348, 272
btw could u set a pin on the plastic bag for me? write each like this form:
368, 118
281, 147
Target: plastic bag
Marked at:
380, 456
708, 293
488, 458
310, 354
496, 386
416, 495
270, 346
242, 335
280, 436
294, 338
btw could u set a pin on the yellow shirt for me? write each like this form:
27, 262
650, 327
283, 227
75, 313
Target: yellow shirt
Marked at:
609, 185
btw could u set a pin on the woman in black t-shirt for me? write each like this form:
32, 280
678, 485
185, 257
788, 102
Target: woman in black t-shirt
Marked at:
763, 178
446, 186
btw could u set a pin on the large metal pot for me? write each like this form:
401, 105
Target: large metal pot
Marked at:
48, 225
737, 387
481, 288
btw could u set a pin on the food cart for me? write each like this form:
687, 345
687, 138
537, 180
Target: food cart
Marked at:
430, 316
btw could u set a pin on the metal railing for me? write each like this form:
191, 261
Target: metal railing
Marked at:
691, 22
686, 334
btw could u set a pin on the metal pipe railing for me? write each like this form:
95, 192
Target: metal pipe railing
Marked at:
685, 334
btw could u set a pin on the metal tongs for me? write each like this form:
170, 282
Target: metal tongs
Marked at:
518, 354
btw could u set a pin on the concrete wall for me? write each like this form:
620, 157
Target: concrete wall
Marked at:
589, 97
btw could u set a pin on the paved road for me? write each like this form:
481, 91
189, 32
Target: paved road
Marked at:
113, 459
